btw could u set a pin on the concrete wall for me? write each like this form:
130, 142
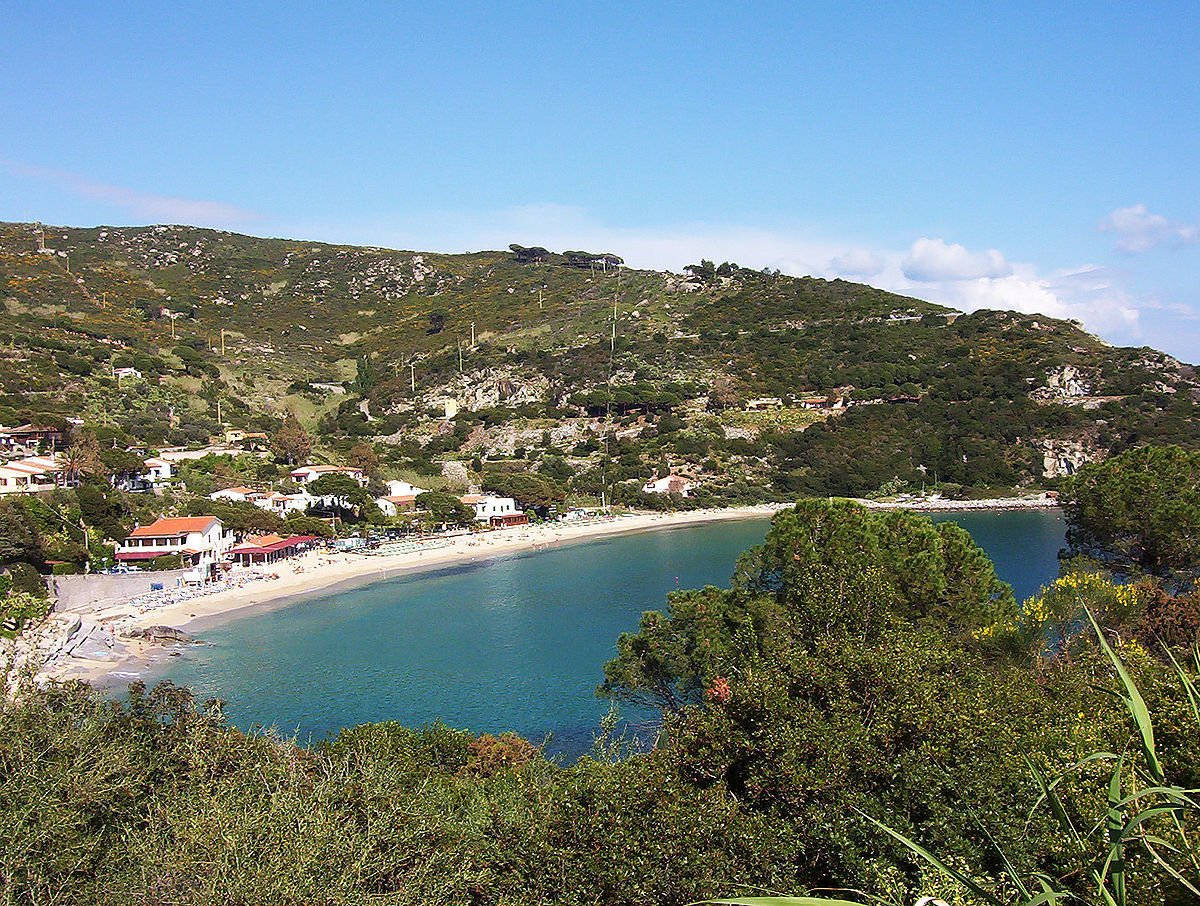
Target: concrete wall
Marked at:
74, 592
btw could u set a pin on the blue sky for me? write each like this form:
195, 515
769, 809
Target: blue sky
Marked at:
1044, 157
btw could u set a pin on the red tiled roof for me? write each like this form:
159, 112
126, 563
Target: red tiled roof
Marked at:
179, 525
266, 544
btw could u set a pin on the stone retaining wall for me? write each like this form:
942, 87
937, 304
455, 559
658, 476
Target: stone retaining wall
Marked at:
73, 592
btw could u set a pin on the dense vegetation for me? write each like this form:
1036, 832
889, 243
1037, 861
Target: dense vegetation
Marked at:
328, 348
859, 665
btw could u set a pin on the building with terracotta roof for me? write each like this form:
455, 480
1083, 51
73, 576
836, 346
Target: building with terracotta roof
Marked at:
269, 548
394, 504
670, 484
200, 541
29, 439
496, 511
27, 476
237, 494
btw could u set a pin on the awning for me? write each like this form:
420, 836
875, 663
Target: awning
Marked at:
248, 547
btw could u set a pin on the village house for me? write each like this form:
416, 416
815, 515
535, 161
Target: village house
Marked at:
813, 402
397, 488
238, 494
201, 541
394, 504
305, 474
670, 484
766, 402
249, 439
286, 504
158, 471
498, 512
27, 440
30, 475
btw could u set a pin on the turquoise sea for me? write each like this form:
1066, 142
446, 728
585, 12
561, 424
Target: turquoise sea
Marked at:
517, 643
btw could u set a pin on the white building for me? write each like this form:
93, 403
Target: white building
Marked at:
670, 484
237, 494
305, 474
394, 504
494, 510
159, 471
199, 540
286, 504
28, 476
397, 488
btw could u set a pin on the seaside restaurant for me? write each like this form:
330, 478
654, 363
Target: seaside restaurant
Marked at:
269, 548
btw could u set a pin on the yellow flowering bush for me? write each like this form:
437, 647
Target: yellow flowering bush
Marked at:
1049, 619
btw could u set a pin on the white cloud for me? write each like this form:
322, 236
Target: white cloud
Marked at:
1137, 230
858, 263
933, 260
142, 205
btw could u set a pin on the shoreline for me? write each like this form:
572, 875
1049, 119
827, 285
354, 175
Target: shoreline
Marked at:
317, 574
96, 645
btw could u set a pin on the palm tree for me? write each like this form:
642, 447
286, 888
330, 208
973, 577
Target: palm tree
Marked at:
73, 461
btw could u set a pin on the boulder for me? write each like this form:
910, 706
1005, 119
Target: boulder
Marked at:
161, 634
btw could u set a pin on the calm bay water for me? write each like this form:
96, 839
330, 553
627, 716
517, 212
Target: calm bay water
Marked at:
514, 644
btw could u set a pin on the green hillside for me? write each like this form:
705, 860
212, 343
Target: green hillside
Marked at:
524, 344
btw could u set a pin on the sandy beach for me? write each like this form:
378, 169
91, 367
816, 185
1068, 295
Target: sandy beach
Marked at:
96, 643
108, 654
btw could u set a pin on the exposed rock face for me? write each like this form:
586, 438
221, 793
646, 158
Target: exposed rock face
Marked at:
1064, 383
456, 474
1061, 458
497, 386
37, 646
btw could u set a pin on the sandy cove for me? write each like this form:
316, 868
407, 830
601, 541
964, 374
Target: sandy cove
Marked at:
108, 655
318, 572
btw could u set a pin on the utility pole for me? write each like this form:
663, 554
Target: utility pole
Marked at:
613, 343
412, 376
539, 298
172, 328
459, 355
222, 342
473, 334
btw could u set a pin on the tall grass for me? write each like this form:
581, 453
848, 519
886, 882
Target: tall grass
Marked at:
1143, 812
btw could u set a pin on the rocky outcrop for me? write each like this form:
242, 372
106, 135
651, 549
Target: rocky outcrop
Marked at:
37, 646
1061, 458
495, 387
1065, 383
161, 634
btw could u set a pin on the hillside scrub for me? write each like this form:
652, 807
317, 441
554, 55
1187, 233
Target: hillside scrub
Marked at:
264, 327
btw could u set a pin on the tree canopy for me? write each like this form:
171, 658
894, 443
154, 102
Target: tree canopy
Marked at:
536, 493
1137, 510
445, 509
290, 442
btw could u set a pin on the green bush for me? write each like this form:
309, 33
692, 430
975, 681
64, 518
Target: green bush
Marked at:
25, 578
